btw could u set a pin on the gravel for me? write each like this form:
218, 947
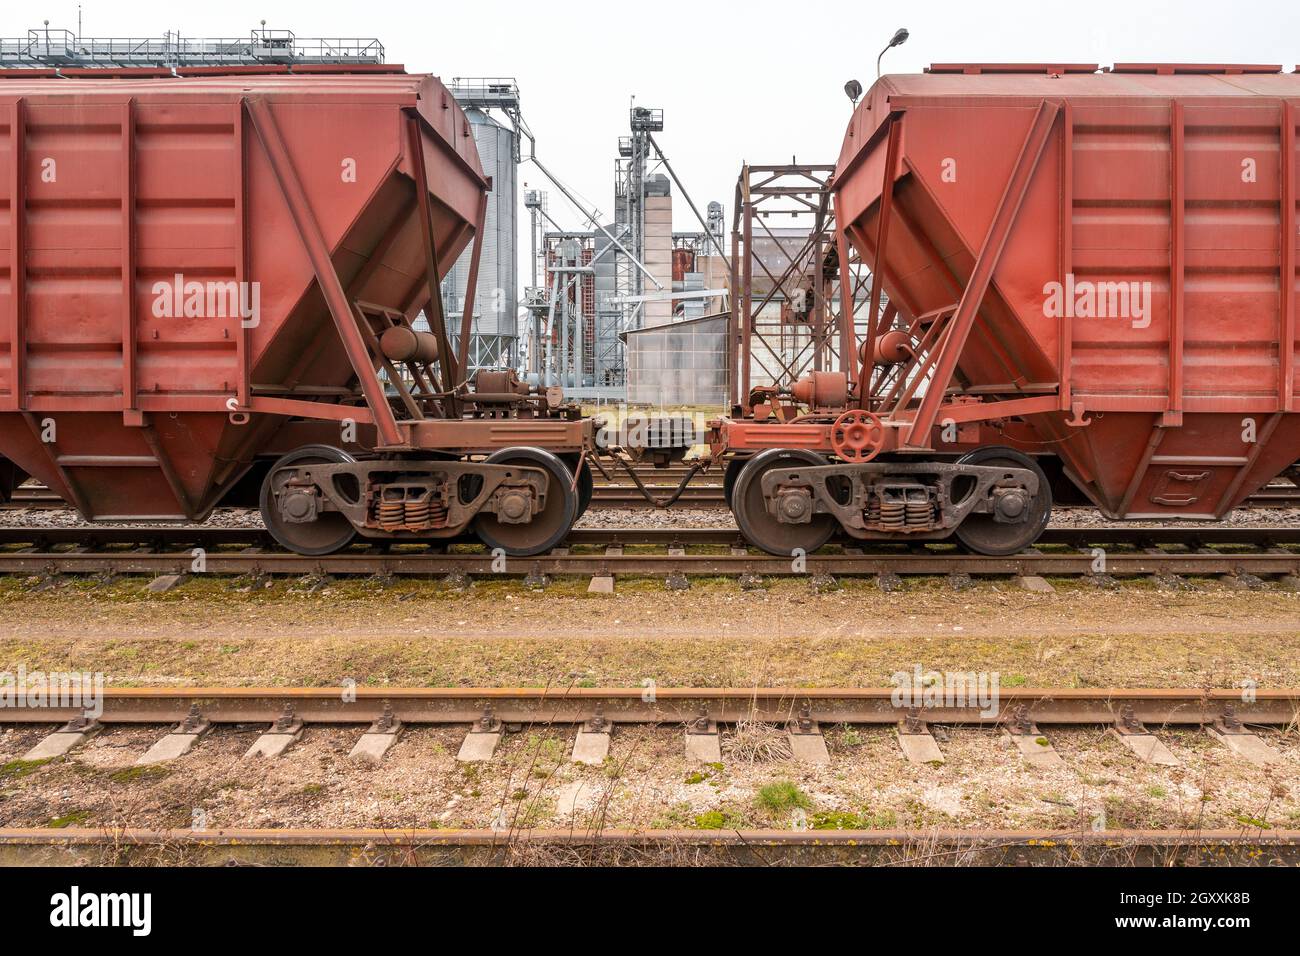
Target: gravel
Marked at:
68, 518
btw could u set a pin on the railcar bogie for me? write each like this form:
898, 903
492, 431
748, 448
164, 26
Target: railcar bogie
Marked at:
317, 499
996, 500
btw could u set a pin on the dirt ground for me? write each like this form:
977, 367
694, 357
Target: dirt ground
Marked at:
222, 631
500, 633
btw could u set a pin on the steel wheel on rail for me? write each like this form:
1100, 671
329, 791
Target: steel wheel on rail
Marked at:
985, 535
730, 476
762, 528
331, 531
586, 482
549, 526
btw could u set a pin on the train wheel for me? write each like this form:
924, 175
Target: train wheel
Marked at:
762, 528
330, 531
586, 484
985, 535
549, 526
731, 476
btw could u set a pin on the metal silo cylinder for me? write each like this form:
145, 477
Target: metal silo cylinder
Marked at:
496, 300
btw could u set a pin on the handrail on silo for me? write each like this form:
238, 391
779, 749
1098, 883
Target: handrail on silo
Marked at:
46, 47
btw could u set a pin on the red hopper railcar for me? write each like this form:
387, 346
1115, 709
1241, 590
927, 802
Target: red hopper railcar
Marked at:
1099, 265
208, 266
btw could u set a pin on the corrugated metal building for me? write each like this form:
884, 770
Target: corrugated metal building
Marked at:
679, 363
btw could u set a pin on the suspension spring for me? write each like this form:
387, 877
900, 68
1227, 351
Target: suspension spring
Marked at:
392, 513
417, 512
437, 513
893, 515
919, 513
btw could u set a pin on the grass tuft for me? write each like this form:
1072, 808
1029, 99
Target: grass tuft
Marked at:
782, 796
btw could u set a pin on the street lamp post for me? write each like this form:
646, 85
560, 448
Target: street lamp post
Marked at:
898, 39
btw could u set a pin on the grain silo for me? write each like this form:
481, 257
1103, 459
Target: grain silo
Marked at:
496, 303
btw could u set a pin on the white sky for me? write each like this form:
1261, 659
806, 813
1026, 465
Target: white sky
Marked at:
758, 81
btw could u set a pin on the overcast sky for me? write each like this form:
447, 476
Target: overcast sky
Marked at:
757, 81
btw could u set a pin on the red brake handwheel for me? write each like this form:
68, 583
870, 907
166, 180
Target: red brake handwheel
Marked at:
857, 436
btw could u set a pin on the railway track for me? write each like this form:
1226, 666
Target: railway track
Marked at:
628, 497
1061, 552
703, 492
708, 493
1244, 724
415, 847
670, 705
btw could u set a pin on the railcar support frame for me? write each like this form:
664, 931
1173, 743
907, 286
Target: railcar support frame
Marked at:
817, 260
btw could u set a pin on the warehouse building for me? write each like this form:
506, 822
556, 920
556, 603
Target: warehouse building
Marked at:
678, 363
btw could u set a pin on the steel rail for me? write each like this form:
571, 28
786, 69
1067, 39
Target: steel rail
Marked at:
626, 496
604, 494
613, 494
397, 846
398, 836
1187, 536
1261, 563
1155, 707
1274, 497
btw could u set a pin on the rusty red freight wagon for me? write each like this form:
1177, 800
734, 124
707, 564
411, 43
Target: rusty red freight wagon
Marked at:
204, 268
1097, 265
